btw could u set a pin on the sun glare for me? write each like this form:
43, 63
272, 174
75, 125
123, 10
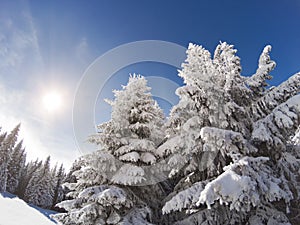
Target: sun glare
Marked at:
52, 101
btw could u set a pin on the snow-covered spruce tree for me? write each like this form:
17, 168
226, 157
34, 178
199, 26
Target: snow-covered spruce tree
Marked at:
15, 166
40, 187
3, 166
76, 166
109, 185
59, 192
26, 175
228, 142
7, 144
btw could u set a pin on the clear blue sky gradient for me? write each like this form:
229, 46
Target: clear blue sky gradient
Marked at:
70, 35
249, 25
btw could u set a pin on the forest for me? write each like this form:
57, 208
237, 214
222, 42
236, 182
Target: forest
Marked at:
229, 153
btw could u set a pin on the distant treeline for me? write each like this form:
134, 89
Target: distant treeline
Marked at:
35, 181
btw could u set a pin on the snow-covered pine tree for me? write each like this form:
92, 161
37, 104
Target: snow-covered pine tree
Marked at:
106, 189
26, 174
228, 142
3, 166
40, 188
133, 132
70, 177
58, 194
7, 145
15, 166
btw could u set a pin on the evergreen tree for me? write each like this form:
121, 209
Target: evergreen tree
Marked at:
228, 142
58, 193
33, 182
3, 165
133, 132
40, 188
230, 148
15, 166
26, 175
7, 145
70, 177
106, 190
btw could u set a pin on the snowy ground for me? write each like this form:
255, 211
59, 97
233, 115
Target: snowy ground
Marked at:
14, 211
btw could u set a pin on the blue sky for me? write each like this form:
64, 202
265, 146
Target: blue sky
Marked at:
47, 45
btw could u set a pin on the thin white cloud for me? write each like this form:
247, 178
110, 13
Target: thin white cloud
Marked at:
82, 51
16, 39
34, 36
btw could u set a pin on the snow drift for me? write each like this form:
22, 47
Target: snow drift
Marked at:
14, 211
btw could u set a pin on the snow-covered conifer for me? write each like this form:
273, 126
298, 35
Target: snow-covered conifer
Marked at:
15, 166
228, 142
40, 189
104, 191
58, 193
6, 147
230, 146
26, 174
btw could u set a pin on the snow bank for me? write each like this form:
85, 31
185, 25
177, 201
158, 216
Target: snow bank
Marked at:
16, 212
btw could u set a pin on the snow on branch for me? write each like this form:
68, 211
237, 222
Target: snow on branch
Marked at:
275, 129
184, 199
244, 184
257, 82
276, 96
129, 175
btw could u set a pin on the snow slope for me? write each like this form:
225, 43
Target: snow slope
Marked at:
14, 211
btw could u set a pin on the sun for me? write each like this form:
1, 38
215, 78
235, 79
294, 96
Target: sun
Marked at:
52, 101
